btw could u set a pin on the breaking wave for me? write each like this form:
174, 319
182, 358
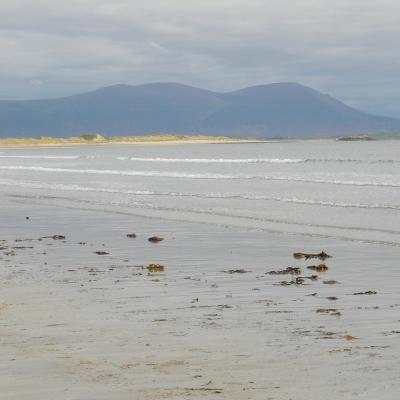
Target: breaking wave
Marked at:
295, 200
206, 160
185, 175
215, 160
255, 160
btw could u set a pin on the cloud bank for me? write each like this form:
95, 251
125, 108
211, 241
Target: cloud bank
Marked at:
52, 48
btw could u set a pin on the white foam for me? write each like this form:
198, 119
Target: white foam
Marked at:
215, 160
123, 173
41, 157
256, 160
79, 188
185, 175
350, 160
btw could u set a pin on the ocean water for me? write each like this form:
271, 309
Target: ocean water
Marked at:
348, 191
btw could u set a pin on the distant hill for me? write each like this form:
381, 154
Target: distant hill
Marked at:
275, 110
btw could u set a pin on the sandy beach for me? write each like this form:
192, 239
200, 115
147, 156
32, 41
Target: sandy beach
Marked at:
232, 314
97, 139
78, 325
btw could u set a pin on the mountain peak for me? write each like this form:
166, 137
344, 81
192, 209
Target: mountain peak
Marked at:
278, 109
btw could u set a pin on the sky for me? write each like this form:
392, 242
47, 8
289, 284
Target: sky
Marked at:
347, 48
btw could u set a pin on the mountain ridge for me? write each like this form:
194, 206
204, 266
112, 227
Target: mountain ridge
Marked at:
286, 109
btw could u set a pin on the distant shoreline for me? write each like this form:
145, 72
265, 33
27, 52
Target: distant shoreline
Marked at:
122, 140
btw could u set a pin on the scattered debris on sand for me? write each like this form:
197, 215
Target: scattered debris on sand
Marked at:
28, 240
321, 256
54, 237
329, 311
350, 337
327, 335
155, 239
288, 270
236, 271
213, 390
297, 281
311, 277
318, 268
155, 268
368, 292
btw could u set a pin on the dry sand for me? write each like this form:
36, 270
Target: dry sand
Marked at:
80, 326
98, 139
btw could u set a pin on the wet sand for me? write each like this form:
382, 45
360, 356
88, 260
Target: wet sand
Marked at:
215, 324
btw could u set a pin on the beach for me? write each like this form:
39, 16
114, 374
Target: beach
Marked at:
82, 317
98, 139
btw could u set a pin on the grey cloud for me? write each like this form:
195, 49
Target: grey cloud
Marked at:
346, 48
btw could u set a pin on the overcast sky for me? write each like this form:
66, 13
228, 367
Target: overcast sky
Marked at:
347, 48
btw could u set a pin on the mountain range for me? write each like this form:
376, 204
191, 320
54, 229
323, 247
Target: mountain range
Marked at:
273, 110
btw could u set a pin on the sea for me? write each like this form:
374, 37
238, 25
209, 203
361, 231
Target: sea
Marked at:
349, 191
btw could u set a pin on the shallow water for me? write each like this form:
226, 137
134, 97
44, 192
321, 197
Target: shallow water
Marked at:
345, 190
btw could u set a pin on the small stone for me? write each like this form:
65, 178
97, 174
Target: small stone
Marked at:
155, 239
